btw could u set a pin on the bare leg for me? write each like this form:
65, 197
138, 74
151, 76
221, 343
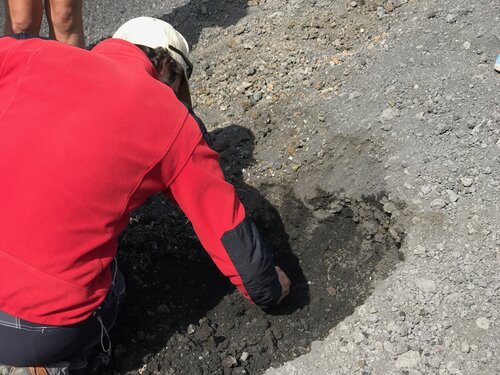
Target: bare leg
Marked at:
23, 16
66, 21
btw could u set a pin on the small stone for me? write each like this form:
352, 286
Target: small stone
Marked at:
390, 207
389, 7
389, 347
434, 362
358, 337
244, 356
408, 360
465, 348
466, 45
467, 181
453, 367
388, 114
387, 127
442, 128
483, 323
163, 309
380, 12
419, 250
452, 196
353, 4
438, 203
426, 189
191, 329
229, 362
257, 95
398, 3
426, 285
432, 14
450, 18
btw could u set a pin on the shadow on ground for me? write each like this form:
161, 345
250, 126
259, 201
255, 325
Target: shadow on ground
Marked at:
183, 317
192, 18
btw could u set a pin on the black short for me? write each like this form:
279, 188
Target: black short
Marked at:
24, 343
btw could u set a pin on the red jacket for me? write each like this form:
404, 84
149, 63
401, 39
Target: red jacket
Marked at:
86, 137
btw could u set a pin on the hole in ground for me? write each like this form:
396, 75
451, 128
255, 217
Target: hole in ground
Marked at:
183, 317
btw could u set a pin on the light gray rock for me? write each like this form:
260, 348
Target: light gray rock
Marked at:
483, 323
426, 285
452, 196
388, 114
358, 337
451, 18
438, 203
409, 359
467, 181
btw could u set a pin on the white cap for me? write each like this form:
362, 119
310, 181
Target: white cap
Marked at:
154, 33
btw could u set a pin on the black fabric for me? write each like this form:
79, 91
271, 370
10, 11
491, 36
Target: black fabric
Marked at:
254, 263
24, 344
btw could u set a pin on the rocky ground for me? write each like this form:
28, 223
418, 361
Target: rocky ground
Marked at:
364, 138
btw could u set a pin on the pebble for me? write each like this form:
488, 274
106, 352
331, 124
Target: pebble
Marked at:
483, 323
408, 360
438, 203
426, 189
398, 3
465, 348
442, 128
388, 114
467, 181
390, 207
389, 7
358, 337
389, 347
419, 250
244, 356
426, 285
450, 18
230, 361
387, 127
453, 367
163, 309
257, 95
452, 196
380, 12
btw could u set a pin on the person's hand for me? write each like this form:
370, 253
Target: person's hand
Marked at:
285, 283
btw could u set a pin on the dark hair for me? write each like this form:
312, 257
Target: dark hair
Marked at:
160, 58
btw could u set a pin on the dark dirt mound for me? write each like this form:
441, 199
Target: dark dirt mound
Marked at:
183, 317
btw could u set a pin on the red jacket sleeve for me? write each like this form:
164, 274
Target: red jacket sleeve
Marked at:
218, 218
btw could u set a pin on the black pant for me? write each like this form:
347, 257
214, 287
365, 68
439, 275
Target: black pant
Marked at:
25, 344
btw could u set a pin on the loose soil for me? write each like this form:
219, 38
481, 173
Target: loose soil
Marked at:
182, 316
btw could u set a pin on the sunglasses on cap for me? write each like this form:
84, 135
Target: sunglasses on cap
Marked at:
189, 66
